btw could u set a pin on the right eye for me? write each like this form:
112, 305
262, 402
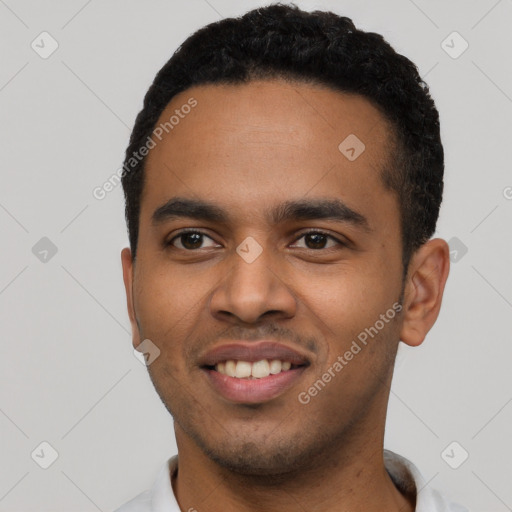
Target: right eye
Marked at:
189, 240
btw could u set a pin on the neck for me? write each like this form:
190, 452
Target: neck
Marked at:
351, 474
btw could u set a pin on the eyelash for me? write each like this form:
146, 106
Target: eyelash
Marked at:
303, 234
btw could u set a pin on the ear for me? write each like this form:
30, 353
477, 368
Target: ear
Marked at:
426, 278
128, 271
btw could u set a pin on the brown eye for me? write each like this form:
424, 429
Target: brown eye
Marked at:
317, 240
190, 240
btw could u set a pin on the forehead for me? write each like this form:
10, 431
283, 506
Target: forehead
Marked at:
258, 109
267, 139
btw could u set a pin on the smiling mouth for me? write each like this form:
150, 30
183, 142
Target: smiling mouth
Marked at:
253, 370
252, 373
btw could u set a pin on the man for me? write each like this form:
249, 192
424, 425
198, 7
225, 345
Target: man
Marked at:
282, 184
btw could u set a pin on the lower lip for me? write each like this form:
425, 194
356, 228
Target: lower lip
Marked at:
253, 391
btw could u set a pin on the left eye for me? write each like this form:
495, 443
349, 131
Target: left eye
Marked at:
318, 240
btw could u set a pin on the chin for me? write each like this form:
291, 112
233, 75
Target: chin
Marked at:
265, 458
250, 460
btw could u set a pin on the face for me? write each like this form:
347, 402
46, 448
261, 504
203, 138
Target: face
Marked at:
260, 240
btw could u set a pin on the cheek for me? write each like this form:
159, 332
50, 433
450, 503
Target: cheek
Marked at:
360, 350
347, 298
163, 298
347, 309
171, 305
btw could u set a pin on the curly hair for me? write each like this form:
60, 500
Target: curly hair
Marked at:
284, 42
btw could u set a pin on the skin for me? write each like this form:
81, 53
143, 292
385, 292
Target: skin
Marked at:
248, 148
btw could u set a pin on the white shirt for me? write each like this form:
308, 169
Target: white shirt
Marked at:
404, 474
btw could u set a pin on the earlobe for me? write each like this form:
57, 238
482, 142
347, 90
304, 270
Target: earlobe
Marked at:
128, 271
428, 272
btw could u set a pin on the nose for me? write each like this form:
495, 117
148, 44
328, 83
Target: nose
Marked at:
252, 289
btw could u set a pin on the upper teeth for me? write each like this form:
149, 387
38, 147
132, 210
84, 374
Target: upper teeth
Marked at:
257, 370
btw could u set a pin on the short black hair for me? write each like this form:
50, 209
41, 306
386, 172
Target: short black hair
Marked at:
281, 41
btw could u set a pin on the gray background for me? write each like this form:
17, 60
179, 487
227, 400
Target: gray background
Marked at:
68, 373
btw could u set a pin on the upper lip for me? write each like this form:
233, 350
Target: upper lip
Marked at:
252, 352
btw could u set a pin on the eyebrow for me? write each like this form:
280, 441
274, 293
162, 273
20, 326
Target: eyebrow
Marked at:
302, 209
